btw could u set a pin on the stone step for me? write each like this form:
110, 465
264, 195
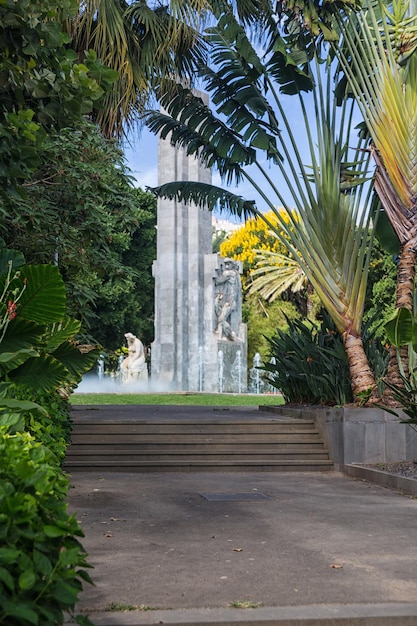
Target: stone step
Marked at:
88, 444
203, 465
183, 443
191, 439
186, 426
195, 454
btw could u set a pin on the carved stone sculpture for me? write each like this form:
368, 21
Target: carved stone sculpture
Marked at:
133, 367
226, 299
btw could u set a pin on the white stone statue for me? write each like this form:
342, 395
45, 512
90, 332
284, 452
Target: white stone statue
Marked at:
227, 295
133, 367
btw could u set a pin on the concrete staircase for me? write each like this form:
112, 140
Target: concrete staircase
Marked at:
224, 441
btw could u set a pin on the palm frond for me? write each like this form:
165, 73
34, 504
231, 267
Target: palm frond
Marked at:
206, 195
274, 274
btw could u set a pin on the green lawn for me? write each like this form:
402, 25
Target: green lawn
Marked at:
195, 399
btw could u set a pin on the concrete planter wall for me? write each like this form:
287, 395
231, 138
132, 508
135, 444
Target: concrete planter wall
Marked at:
360, 435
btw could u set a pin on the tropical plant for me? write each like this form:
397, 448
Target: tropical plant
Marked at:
308, 363
82, 213
379, 61
37, 354
42, 85
329, 236
42, 563
145, 42
401, 330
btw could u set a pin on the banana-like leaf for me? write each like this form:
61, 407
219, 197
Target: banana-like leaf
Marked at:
44, 374
399, 328
42, 290
11, 404
386, 235
61, 332
11, 360
21, 333
76, 362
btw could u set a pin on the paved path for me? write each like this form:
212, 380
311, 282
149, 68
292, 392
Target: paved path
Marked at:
175, 541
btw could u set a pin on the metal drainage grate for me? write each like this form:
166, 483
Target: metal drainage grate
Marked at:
234, 497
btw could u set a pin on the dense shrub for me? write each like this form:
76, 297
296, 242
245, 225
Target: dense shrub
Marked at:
51, 428
309, 362
42, 563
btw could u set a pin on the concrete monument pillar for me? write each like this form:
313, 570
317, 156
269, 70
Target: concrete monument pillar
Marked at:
188, 333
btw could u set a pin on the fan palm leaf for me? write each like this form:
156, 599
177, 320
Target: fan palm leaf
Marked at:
144, 43
274, 274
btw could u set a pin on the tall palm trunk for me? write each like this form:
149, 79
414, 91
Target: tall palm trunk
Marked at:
361, 375
404, 299
404, 222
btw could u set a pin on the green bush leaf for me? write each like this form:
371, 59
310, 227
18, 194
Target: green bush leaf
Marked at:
54, 531
42, 563
21, 612
27, 579
7, 578
399, 328
43, 298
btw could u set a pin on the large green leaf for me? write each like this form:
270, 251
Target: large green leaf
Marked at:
43, 296
76, 362
11, 360
43, 374
61, 332
21, 333
10, 259
399, 328
19, 405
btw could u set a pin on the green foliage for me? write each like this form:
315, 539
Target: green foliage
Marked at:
35, 351
132, 309
42, 563
42, 85
381, 289
263, 320
83, 214
311, 364
52, 427
406, 397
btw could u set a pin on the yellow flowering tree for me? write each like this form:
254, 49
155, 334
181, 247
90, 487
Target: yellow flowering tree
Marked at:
251, 244
255, 236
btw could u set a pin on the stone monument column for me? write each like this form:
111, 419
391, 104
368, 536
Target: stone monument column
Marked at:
184, 354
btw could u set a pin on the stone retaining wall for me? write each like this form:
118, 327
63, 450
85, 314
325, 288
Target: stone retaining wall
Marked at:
359, 435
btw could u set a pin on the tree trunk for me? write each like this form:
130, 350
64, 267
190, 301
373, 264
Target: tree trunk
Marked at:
361, 376
405, 296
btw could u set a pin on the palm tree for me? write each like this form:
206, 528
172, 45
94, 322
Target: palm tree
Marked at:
378, 57
328, 236
144, 43
274, 274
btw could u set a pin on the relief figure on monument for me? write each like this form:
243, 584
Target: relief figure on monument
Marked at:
133, 367
227, 300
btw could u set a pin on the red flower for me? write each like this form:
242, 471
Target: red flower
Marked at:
11, 309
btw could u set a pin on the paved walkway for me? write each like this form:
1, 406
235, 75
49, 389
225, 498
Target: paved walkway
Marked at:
183, 541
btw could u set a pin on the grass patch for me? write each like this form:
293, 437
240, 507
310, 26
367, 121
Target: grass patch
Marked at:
117, 606
192, 399
245, 604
